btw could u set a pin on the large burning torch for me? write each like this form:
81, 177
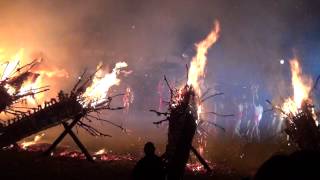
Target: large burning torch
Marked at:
298, 113
185, 110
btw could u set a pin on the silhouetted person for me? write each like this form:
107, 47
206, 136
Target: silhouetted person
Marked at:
277, 167
299, 165
150, 167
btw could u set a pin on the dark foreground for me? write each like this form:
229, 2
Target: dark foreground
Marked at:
229, 160
30, 165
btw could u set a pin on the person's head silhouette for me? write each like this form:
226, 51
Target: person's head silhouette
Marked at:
149, 148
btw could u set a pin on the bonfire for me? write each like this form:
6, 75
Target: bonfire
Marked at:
82, 105
14, 84
185, 109
298, 112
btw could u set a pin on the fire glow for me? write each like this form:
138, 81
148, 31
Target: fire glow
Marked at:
36, 139
301, 88
101, 83
101, 151
198, 63
197, 66
10, 67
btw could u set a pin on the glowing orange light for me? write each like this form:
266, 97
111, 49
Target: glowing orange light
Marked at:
100, 152
9, 67
199, 61
101, 83
36, 139
301, 88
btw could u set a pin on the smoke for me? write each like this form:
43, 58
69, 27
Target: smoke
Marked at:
157, 38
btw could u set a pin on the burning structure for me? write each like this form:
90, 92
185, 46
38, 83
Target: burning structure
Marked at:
184, 111
298, 112
12, 84
88, 96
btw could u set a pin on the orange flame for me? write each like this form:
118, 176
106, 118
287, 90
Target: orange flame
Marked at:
11, 64
197, 72
101, 83
198, 63
100, 152
40, 81
36, 139
301, 88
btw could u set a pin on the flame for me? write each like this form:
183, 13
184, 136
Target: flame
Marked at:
32, 84
102, 155
11, 90
197, 66
198, 63
301, 88
36, 139
100, 152
97, 92
11, 64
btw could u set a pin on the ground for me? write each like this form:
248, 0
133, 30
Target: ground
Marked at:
229, 161
30, 165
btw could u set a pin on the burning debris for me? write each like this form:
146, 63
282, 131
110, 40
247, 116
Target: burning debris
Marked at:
14, 84
185, 110
36, 146
88, 96
182, 116
22, 82
26, 144
298, 113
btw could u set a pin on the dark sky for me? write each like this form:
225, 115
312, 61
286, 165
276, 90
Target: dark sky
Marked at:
152, 36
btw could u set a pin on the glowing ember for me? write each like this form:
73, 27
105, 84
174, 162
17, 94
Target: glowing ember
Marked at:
100, 152
101, 155
196, 167
36, 139
301, 88
202, 144
97, 92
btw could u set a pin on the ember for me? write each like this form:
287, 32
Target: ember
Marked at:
102, 154
36, 139
101, 151
196, 168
